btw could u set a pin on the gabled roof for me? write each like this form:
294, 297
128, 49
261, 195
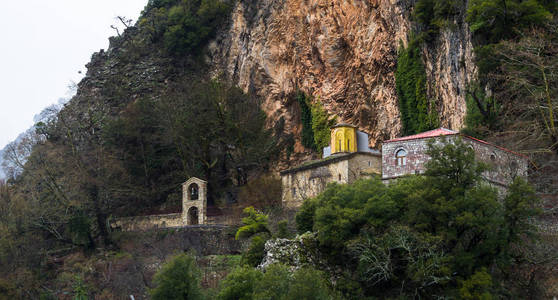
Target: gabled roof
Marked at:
427, 134
443, 132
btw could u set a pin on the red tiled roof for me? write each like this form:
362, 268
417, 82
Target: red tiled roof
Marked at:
444, 131
427, 134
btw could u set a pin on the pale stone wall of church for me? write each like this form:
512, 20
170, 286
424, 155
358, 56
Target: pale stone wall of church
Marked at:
364, 165
304, 184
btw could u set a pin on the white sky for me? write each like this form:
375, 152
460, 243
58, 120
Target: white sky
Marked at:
43, 45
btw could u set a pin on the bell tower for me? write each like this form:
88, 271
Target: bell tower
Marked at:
343, 138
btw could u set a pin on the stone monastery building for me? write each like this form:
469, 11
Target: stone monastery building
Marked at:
349, 158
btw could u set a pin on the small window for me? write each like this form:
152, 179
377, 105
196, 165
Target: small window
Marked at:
348, 145
401, 157
339, 177
369, 163
493, 157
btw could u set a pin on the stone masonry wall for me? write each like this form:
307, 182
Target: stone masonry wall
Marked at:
310, 182
301, 185
364, 165
147, 222
504, 165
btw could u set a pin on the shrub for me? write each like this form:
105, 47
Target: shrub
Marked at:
278, 282
433, 15
274, 283
239, 284
495, 20
477, 286
254, 223
308, 283
316, 123
185, 26
422, 234
178, 279
255, 254
283, 230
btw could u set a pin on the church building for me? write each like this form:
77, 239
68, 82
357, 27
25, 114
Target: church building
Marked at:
349, 158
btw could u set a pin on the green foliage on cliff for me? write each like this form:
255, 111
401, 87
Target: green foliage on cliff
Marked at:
184, 26
494, 20
433, 15
316, 123
321, 125
431, 234
418, 113
307, 134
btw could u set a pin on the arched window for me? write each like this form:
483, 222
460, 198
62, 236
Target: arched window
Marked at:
401, 157
193, 192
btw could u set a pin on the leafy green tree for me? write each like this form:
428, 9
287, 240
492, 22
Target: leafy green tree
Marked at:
277, 282
178, 279
256, 252
478, 286
452, 166
422, 234
254, 223
305, 216
494, 20
433, 15
274, 283
520, 205
482, 113
184, 26
308, 283
239, 284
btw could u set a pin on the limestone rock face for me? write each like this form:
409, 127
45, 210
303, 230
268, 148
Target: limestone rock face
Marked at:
343, 53
450, 67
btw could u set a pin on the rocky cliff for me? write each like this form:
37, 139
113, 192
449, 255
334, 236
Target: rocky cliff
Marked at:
343, 53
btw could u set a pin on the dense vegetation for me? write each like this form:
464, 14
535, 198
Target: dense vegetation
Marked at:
316, 123
442, 234
418, 113
79, 172
184, 26
424, 236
